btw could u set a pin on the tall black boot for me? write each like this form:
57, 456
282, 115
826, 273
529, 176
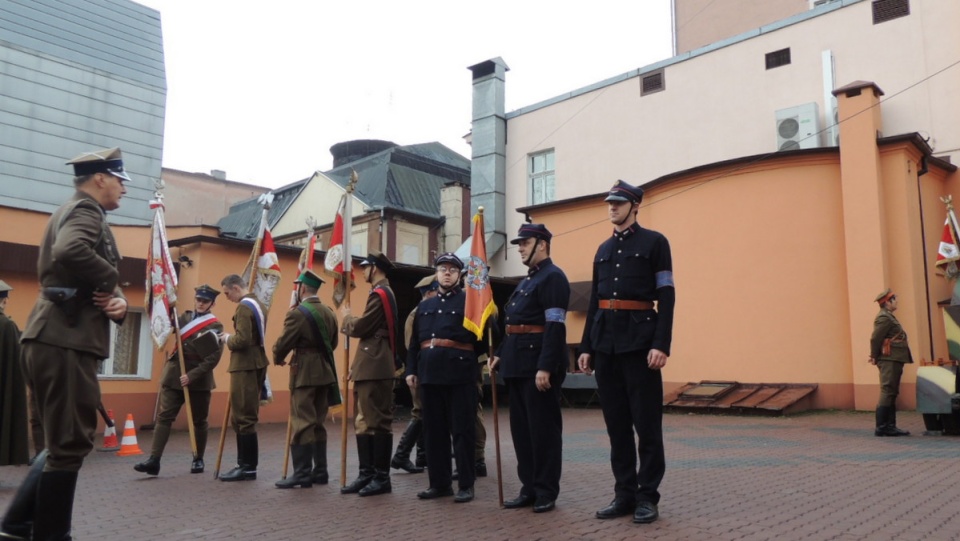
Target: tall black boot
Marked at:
883, 422
401, 459
18, 522
421, 461
247, 459
302, 462
197, 465
892, 423
382, 448
365, 457
55, 505
319, 474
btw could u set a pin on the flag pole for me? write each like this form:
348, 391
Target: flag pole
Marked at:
186, 393
493, 391
347, 274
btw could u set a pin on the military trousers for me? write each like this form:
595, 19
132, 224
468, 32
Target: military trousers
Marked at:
374, 399
245, 399
449, 411
631, 397
536, 425
171, 402
890, 373
66, 392
308, 411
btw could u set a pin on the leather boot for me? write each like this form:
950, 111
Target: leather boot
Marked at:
55, 505
365, 457
18, 521
247, 459
319, 473
197, 465
302, 458
150, 466
382, 448
421, 461
401, 459
892, 423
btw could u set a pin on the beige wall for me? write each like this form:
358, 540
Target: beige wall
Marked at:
183, 205
702, 22
721, 105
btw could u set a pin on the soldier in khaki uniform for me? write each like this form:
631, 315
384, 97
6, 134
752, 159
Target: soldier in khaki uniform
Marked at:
201, 354
66, 335
248, 369
888, 352
310, 331
373, 375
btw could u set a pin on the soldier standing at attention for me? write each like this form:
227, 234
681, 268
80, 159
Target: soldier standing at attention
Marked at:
534, 364
414, 432
888, 352
372, 372
13, 390
310, 331
248, 369
442, 365
66, 335
627, 342
201, 354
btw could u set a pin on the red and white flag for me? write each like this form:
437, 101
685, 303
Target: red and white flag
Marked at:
263, 269
948, 251
334, 261
161, 284
305, 262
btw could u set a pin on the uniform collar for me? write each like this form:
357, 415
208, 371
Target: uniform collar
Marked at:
536, 268
452, 292
632, 230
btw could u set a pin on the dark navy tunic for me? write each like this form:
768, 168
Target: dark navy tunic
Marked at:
442, 317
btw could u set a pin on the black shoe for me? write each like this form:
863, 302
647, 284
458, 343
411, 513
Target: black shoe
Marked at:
293, 481
464, 495
321, 478
405, 465
619, 507
196, 466
889, 431
544, 504
434, 493
645, 513
379, 485
150, 466
480, 469
523, 500
359, 483
240, 473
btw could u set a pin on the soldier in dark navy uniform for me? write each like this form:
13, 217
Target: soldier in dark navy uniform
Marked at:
626, 339
442, 362
532, 360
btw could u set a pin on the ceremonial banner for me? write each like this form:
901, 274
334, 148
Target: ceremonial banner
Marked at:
948, 250
305, 262
263, 269
336, 254
161, 283
480, 304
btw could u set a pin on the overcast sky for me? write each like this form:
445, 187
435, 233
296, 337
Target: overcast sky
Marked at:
263, 92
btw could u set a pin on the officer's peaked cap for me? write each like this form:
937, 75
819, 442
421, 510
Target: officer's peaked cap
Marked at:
309, 278
108, 160
206, 292
448, 258
621, 191
378, 260
532, 231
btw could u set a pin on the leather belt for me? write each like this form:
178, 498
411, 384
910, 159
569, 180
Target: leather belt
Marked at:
524, 329
444, 343
617, 304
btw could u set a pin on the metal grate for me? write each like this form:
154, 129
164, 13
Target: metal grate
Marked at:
885, 10
778, 58
651, 83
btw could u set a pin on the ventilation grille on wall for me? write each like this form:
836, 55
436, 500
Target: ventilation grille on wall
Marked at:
798, 127
652, 82
778, 58
885, 10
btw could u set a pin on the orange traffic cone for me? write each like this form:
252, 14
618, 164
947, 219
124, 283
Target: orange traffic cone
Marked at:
110, 442
128, 446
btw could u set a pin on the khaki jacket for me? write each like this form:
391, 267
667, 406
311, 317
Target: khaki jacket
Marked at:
77, 250
374, 358
199, 368
246, 350
886, 326
310, 366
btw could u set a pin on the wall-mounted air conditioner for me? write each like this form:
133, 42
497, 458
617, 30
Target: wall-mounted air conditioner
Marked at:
798, 127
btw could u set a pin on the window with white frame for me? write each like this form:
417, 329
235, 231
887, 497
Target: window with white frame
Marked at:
541, 175
131, 348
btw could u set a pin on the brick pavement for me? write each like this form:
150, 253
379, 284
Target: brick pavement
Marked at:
817, 476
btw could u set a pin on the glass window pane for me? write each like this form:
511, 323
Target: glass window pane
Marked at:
548, 189
548, 157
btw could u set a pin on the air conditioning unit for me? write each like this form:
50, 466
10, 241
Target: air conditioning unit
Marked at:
798, 127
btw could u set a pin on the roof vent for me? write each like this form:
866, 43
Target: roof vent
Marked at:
885, 10
651, 83
351, 151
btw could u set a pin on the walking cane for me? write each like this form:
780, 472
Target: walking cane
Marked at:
223, 437
286, 446
496, 420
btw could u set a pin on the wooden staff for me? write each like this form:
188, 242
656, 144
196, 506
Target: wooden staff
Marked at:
346, 393
496, 419
186, 392
223, 437
286, 446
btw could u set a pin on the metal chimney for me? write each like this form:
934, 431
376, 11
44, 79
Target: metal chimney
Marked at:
489, 150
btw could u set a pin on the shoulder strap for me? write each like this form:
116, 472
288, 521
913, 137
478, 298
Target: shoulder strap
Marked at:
320, 333
390, 309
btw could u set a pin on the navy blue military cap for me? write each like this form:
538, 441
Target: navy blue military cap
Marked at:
108, 160
532, 231
428, 283
206, 292
621, 191
448, 258
378, 260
